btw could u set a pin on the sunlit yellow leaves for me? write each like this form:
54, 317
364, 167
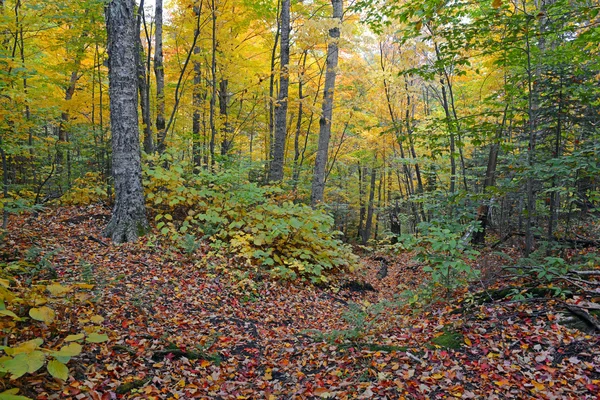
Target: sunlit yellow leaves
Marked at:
44, 314
58, 290
97, 319
25, 347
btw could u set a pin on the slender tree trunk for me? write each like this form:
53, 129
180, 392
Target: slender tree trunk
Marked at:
296, 171
226, 141
489, 181
369, 223
554, 196
197, 100
159, 72
213, 72
362, 171
280, 135
452, 138
128, 220
143, 87
271, 103
318, 185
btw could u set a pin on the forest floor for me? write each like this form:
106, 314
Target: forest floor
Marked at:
179, 330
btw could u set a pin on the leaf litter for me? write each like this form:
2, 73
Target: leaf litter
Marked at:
181, 330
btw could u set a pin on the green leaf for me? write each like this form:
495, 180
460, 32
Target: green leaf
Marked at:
70, 350
9, 313
58, 370
95, 337
11, 394
25, 347
44, 314
35, 361
72, 338
17, 366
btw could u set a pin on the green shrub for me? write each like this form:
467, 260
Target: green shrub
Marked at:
258, 224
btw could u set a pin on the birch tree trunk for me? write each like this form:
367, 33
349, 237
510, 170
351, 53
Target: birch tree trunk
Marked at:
128, 220
318, 184
276, 170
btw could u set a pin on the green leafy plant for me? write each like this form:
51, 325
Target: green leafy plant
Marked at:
445, 255
256, 224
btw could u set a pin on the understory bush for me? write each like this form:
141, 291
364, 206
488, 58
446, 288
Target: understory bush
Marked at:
239, 218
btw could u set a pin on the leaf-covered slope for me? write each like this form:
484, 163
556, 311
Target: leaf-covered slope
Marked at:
182, 331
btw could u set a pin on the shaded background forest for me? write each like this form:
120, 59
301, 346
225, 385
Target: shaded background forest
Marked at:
446, 115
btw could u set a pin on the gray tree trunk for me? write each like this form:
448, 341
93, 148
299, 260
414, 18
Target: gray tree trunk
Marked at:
143, 87
366, 233
197, 100
159, 72
318, 184
128, 220
276, 170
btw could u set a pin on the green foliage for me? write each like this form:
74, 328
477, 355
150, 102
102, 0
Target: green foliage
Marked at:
445, 254
88, 189
240, 218
23, 305
360, 319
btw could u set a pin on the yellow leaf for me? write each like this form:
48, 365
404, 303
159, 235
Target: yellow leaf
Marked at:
58, 290
538, 386
5, 282
25, 347
437, 376
497, 4
44, 314
72, 338
70, 350
84, 285
268, 374
97, 319
468, 341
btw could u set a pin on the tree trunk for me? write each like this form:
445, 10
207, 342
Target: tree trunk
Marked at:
490, 179
197, 100
296, 171
276, 169
226, 141
213, 73
159, 72
318, 185
128, 220
272, 87
143, 87
366, 234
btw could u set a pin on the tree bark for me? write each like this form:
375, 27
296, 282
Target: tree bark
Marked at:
128, 220
159, 72
366, 233
198, 97
276, 169
213, 73
143, 87
318, 184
